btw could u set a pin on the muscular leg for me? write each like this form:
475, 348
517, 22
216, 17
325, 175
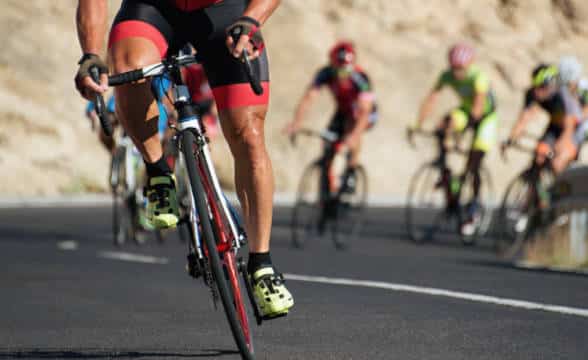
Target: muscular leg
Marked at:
135, 105
244, 131
442, 131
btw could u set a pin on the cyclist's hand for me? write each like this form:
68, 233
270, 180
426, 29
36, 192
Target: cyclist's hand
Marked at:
410, 130
245, 34
83, 80
504, 146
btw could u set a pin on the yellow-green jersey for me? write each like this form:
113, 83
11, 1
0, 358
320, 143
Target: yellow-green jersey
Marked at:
475, 82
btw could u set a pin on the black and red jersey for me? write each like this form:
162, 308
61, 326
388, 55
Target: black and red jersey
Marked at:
346, 89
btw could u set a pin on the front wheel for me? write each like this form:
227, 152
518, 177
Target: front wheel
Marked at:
514, 216
350, 208
227, 282
426, 206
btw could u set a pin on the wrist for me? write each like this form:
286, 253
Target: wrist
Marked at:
250, 20
86, 56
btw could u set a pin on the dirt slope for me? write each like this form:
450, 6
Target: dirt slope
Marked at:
46, 147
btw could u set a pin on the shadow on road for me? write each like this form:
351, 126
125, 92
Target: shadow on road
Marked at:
503, 264
108, 354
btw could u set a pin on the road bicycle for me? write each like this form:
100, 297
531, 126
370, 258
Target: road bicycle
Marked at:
216, 234
328, 197
438, 202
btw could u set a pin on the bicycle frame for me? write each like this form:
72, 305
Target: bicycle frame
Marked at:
188, 120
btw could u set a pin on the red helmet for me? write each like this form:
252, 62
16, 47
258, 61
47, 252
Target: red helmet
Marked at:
343, 53
461, 55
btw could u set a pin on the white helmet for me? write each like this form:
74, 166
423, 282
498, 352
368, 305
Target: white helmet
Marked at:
570, 70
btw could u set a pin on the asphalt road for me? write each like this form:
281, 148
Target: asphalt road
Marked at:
59, 302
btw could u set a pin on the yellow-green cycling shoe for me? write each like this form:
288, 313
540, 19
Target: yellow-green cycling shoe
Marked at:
162, 202
270, 293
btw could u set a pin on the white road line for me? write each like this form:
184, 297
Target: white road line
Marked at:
520, 304
68, 245
124, 256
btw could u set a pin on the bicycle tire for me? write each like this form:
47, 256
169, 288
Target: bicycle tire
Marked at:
306, 211
510, 240
420, 232
245, 347
350, 211
119, 235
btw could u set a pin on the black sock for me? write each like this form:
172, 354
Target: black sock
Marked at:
158, 168
258, 260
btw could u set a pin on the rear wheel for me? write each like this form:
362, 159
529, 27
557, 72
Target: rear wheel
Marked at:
308, 208
223, 270
350, 209
426, 212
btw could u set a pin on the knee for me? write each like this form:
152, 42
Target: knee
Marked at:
124, 56
247, 139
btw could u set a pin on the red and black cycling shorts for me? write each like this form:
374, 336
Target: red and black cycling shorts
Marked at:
167, 27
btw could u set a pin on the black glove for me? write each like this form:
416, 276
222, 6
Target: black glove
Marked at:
246, 25
86, 63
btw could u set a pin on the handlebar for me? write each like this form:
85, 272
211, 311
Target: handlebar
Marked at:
100, 106
184, 60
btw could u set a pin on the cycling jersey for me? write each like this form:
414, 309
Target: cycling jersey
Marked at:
560, 104
202, 23
475, 82
191, 5
345, 89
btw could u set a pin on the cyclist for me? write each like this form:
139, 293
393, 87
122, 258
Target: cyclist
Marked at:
107, 141
356, 109
141, 34
563, 107
477, 111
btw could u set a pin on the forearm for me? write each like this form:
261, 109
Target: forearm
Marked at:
302, 108
91, 17
261, 10
426, 108
569, 127
520, 125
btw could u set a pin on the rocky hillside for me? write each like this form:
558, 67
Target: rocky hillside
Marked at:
47, 147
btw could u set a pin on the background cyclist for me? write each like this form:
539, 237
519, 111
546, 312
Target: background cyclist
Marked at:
352, 90
476, 111
547, 93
